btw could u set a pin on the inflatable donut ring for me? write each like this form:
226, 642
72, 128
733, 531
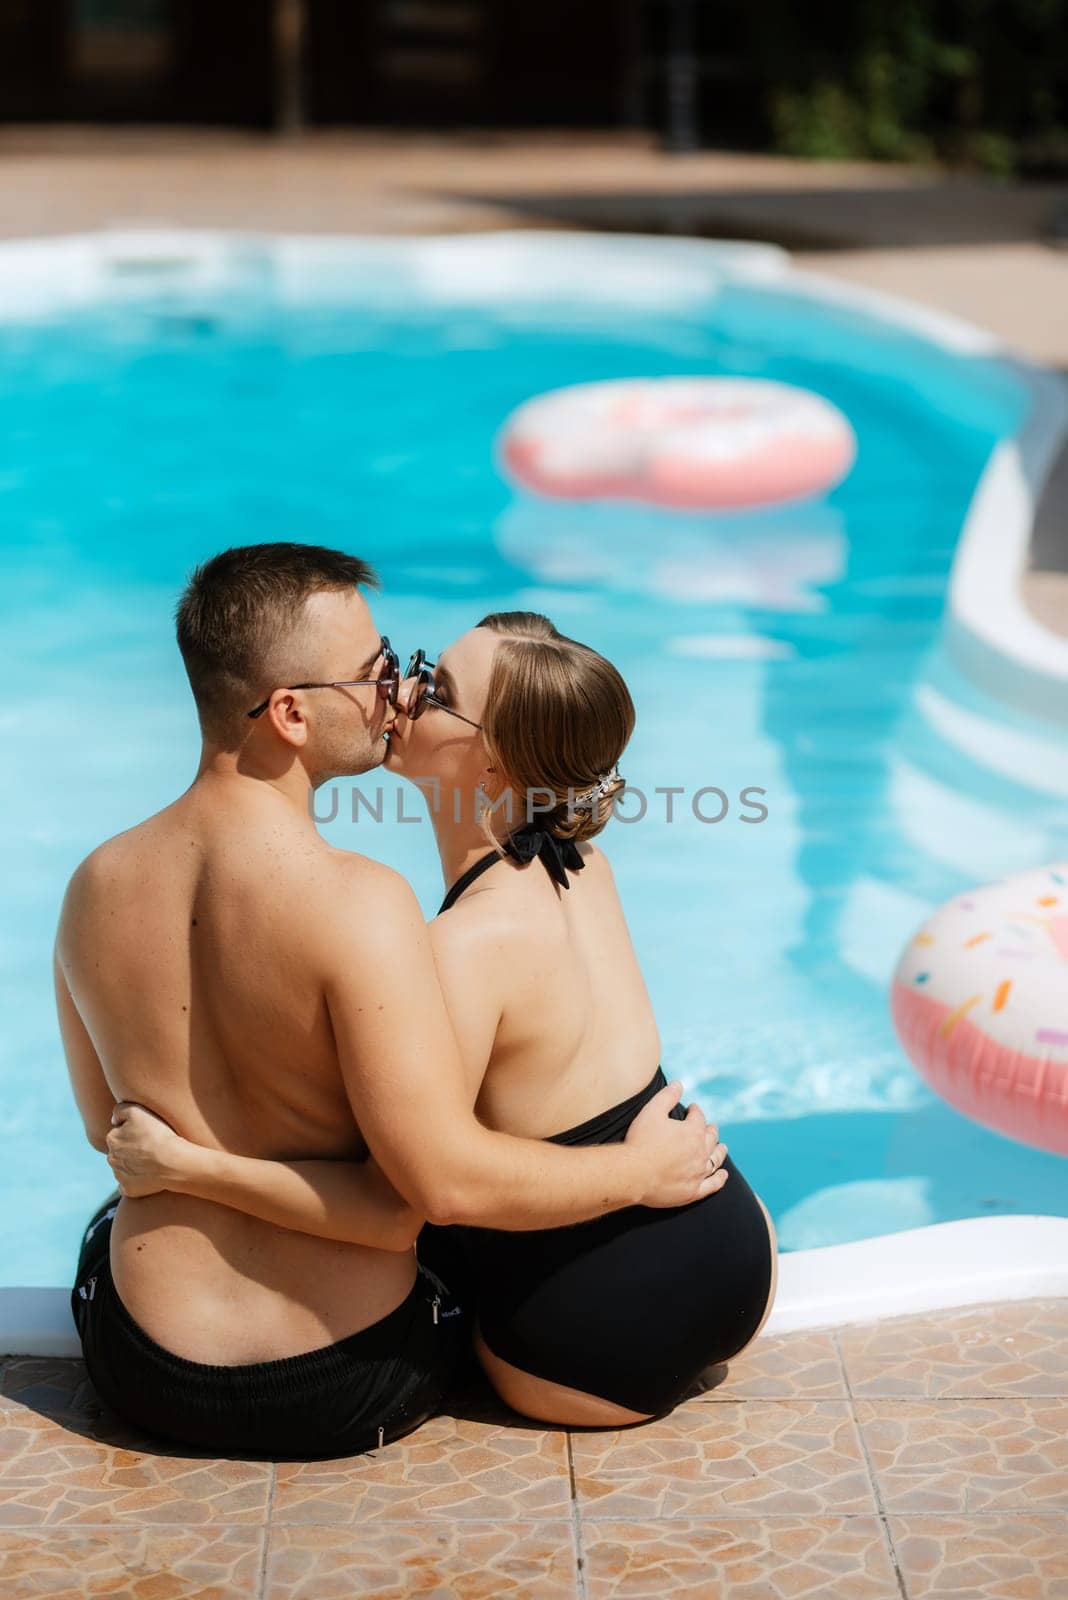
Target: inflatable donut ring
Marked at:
701, 443
980, 1003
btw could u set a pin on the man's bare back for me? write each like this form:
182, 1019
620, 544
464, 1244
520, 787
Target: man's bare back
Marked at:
189, 948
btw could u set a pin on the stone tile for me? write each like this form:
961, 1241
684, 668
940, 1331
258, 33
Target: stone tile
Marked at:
1005, 1349
755, 1558
435, 1561
804, 1366
761, 1456
450, 1468
51, 1473
982, 1558
968, 1455
209, 1563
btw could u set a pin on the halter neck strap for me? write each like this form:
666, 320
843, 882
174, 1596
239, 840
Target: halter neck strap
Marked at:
558, 856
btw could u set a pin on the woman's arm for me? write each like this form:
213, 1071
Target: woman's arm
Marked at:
345, 1200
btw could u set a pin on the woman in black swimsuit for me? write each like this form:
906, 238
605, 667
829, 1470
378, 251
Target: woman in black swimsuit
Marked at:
609, 1321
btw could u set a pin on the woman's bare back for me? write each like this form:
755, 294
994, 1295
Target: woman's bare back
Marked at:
576, 1031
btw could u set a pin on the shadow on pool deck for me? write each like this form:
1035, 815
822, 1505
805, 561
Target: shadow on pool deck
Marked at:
904, 1460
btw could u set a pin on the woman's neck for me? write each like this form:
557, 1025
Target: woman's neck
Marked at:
463, 842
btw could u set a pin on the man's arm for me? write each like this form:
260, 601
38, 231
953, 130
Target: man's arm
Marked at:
409, 1096
95, 1100
469, 956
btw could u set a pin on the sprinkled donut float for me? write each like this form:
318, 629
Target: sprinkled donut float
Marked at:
980, 1004
698, 443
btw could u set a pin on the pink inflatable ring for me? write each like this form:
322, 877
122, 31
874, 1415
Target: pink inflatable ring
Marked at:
980, 1003
700, 443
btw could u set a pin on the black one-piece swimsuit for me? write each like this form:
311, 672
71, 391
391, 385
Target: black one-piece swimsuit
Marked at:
632, 1306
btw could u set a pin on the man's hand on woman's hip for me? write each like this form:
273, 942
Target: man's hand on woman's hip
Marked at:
683, 1156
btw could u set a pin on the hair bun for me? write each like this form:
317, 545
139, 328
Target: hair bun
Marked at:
590, 812
557, 719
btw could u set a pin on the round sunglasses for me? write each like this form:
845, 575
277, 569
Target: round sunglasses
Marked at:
423, 695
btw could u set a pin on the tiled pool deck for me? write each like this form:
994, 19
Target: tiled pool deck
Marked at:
911, 1459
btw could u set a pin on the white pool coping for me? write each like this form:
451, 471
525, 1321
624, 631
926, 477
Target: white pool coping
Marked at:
987, 630
939, 1268
978, 1261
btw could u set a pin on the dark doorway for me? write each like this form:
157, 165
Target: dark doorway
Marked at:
137, 60
442, 63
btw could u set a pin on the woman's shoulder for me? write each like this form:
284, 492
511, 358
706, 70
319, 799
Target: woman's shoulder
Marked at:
481, 944
595, 863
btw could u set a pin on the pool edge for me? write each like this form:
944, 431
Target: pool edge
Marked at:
979, 1261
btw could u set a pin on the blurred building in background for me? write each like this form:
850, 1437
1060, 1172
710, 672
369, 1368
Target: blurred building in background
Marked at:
269, 63
981, 85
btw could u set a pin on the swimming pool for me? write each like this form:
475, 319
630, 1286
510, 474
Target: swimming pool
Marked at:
164, 398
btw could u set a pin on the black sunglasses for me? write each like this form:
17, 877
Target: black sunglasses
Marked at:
387, 683
423, 695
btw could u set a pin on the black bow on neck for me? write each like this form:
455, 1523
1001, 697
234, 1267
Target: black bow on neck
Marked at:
558, 856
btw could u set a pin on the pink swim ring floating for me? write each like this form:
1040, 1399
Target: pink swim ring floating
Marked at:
980, 1004
697, 443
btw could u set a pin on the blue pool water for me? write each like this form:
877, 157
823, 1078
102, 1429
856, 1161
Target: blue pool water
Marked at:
795, 652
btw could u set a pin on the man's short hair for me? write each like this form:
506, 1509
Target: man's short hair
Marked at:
235, 617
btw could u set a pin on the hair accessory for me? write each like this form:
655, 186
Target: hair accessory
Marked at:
600, 788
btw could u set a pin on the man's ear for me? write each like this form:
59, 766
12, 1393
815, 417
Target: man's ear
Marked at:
287, 718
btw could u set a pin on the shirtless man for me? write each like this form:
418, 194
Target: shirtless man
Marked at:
276, 998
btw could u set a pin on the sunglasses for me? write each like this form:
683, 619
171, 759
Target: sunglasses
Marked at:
387, 683
423, 695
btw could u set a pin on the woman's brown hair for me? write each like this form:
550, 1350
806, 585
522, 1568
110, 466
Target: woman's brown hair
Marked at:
558, 717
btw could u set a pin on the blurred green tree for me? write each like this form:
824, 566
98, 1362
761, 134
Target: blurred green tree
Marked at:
978, 83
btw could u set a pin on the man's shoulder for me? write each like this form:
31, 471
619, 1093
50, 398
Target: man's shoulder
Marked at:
354, 915
102, 866
361, 883
103, 877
